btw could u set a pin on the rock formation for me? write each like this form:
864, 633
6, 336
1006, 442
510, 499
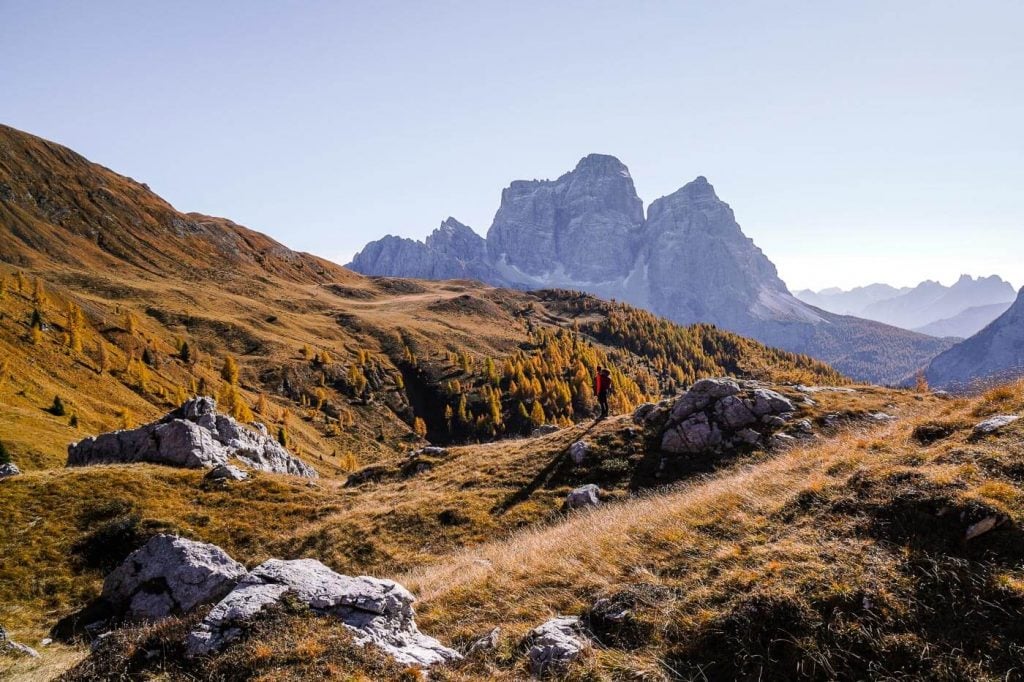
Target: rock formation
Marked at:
687, 260
555, 644
170, 575
378, 612
193, 436
588, 495
11, 648
8, 470
715, 414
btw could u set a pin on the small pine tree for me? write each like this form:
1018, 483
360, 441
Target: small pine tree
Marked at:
307, 352
240, 409
73, 422
19, 282
282, 437
921, 383
5, 457
36, 335
419, 427
229, 372
147, 356
39, 297
537, 417
348, 462
57, 408
37, 318
263, 405
130, 322
185, 353
102, 357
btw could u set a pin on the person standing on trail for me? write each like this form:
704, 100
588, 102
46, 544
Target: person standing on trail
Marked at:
603, 387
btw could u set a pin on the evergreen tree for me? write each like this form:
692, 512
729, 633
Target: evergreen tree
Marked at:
537, 414
185, 353
419, 427
229, 372
282, 437
5, 457
57, 408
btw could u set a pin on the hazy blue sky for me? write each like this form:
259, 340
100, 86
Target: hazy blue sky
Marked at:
856, 141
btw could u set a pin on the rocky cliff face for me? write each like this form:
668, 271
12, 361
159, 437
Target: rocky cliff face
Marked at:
687, 260
452, 251
996, 352
702, 268
582, 227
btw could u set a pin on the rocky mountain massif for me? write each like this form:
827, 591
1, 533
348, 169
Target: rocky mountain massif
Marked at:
960, 310
687, 260
994, 354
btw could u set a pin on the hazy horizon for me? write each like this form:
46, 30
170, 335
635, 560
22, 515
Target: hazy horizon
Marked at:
875, 142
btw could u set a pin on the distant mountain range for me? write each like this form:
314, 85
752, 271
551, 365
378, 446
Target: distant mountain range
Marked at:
687, 259
995, 353
960, 310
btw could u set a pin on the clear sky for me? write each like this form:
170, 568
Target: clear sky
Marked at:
856, 141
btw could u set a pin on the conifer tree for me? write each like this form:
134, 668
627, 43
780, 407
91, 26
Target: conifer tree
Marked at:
537, 414
185, 353
102, 357
5, 457
57, 409
419, 427
229, 372
282, 437
39, 297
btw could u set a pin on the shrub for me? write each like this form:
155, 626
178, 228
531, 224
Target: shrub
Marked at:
57, 409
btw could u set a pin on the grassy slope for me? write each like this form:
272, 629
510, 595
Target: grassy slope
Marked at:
844, 559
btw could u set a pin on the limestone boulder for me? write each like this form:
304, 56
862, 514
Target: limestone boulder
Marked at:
170, 575
994, 424
585, 496
555, 644
193, 436
378, 612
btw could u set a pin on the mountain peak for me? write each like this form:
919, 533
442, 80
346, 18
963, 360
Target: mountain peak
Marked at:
600, 161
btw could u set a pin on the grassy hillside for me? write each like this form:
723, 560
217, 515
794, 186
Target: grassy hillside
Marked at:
843, 558
121, 306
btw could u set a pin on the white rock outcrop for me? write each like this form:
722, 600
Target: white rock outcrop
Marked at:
170, 575
578, 452
11, 648
555, 644
585, 496
993, 424
193, 436
8, 470
719, 413
378, 612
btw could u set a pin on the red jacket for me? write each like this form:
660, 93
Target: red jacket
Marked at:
601, 383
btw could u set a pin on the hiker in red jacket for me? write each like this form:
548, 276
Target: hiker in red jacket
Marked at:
602, 388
